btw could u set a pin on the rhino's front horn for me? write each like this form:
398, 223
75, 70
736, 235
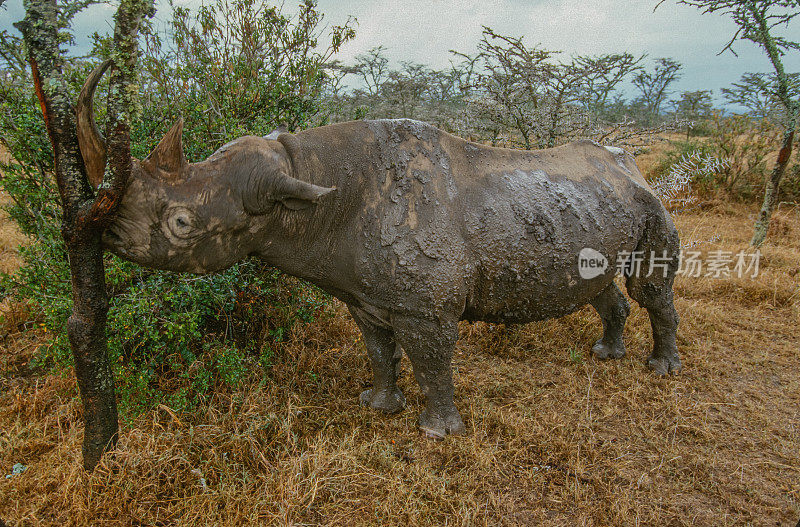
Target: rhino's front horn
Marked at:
167, 159
90, 140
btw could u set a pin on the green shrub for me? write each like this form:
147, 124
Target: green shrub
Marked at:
173, 338
744, 142
704, 183
790, 186
702, 128
180, 336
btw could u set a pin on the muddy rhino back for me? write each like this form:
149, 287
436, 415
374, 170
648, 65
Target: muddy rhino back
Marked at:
529, 215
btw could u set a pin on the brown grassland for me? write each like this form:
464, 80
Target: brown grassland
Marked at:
554, 437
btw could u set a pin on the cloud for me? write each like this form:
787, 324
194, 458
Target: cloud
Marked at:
425, 30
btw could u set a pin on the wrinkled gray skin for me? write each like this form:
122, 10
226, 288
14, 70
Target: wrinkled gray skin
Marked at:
414, 229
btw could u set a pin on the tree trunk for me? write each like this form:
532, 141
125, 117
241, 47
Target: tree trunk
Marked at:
86, 326
792, 108
771, 191
87, 336
85, 215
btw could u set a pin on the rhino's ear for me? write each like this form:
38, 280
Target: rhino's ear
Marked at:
281, 129
266, 189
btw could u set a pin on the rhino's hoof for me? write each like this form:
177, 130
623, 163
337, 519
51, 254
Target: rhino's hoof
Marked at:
664, 365
387, 401
436, 427
605, 351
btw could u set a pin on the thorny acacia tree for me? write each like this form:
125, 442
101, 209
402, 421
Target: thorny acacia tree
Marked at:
85, 212
757, 93
542, 101
694, 105
413, 91
654, 86
756, 21
509, 93
372, 67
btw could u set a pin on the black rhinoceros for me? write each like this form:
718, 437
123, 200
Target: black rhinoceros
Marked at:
414, 229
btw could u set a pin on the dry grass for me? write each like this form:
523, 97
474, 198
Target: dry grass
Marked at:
10, 237
553, 438
12, 314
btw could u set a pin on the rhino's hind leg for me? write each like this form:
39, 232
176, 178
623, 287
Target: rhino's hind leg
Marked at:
651, 287
613, 310
384, 356
430, 347
664, 320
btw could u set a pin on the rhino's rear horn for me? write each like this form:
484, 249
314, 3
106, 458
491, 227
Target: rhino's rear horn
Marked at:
90, 140
167, 160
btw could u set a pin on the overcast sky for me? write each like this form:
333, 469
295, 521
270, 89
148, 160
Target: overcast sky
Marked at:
425, 30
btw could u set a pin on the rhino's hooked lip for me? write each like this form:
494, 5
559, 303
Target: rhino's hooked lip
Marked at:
116, 240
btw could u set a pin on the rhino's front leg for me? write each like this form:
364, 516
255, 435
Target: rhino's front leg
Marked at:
430, 347
384, 356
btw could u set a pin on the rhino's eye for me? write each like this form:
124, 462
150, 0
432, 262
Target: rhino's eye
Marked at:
181, 223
